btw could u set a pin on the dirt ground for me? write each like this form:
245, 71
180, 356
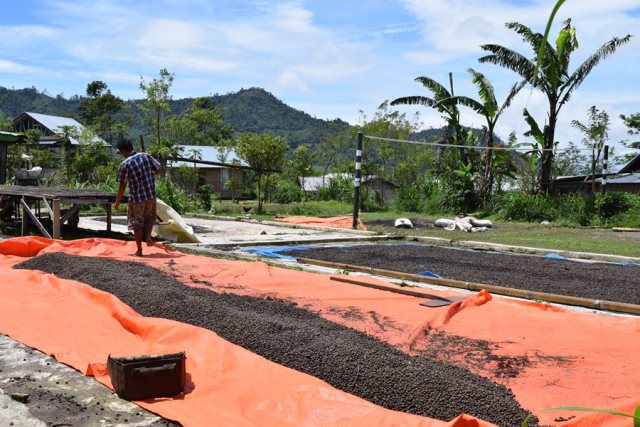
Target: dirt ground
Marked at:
600, 281
300, 339
49, 393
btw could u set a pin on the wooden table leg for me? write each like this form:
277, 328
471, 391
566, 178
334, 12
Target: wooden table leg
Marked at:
25, 215
56, 218
107, 208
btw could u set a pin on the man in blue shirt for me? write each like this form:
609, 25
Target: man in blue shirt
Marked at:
138, 170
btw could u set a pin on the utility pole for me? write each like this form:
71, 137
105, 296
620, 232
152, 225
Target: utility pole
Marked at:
356, 181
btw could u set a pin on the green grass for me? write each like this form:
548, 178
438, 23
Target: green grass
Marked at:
310, 208
597, 240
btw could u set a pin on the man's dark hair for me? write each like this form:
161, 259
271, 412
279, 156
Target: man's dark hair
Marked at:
125, 145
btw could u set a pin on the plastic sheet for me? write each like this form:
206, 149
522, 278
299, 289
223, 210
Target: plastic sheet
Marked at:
549, 356
274, 251
334, 222
226, 384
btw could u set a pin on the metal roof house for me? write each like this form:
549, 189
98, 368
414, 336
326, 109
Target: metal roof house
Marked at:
384, 190
50, 127
627, 179
216, 166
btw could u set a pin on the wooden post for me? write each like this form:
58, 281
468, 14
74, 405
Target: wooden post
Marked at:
142, 143
605, 169
3, 163
107, 208
56, 218
25, 215
357, 181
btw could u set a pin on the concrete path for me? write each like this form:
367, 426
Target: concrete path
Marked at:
36, 390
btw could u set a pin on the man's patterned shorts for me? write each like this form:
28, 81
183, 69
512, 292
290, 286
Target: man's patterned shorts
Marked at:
141, 213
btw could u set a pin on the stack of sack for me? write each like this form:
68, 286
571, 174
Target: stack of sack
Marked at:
467, 223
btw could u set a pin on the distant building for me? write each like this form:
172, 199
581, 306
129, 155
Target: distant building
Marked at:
384, 190
215, 166
50, 128
627, 180
6, 139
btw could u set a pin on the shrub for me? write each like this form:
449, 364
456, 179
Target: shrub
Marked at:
206, 196
339, 188
575, 208
407, 199
435, 198
173, 195
285, 191
611, 205
518, 206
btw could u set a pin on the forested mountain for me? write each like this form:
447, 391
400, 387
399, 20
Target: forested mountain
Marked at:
248, 110
16, 101
251, 110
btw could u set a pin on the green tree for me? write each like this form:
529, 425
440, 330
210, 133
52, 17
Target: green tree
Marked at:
443, 102
596, 134
487, 107
6, 123
208, 120
382, 158
301, 166
155, 106
89, 159
570, 161
632, 122
329, 150
157, 100
100, 109
264, 153
504, 163
64, 135
552, 77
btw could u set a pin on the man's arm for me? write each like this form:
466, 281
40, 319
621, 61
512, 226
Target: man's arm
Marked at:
121, 189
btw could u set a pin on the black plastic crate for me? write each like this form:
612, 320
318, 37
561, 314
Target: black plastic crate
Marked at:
145, 377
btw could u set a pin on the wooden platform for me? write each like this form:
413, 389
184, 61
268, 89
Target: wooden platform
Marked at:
30, 199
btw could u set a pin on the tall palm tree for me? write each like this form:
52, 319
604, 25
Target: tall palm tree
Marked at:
442, 101
488, 107
552, 77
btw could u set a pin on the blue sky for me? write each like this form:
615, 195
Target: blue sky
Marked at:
325, 57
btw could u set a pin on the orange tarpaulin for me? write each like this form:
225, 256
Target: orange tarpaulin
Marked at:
226, 384
548, 356
345, 221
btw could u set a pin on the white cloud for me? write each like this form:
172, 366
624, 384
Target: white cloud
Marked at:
289, 80
16, 68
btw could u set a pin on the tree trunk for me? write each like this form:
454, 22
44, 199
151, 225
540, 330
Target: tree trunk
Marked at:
259, 198
158, 126
547, 156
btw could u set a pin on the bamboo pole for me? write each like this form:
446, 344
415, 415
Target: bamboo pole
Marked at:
494, 289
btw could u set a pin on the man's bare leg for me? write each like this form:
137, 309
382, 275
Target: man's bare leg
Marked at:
147, 234
137, 234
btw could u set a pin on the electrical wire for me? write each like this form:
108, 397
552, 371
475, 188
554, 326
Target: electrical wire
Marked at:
439, 144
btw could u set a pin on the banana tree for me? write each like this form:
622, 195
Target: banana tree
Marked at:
552, 76
487, 107
442, 102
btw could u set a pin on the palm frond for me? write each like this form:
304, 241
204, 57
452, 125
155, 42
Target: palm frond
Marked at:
585, 68
485, 91
478, 107
512, 94
439, 91
415, 100
580, 126
547, 58
566, 43
509, 59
